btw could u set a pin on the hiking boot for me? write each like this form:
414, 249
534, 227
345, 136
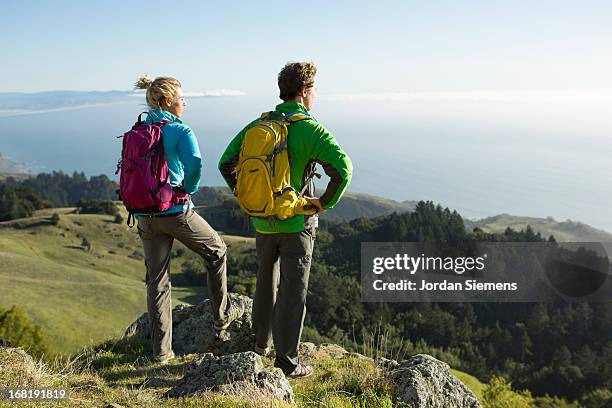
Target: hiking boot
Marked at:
234, 313
262, 351
165, 358
301, 371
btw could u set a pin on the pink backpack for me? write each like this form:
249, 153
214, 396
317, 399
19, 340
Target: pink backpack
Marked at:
144, 183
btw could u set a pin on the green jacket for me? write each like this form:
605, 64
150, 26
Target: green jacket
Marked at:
309, 143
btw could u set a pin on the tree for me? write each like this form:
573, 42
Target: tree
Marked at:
194, 271
86, 244
96, 207
55, 219
17, 331
599, 398
18, 201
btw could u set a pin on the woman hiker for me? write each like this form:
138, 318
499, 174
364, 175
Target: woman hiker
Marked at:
158, 230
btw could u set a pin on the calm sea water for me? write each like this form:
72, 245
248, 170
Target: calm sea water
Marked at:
480, 158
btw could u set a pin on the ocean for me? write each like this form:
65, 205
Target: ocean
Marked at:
479, 156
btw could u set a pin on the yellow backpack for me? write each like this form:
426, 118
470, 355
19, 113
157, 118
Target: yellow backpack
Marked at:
263, 175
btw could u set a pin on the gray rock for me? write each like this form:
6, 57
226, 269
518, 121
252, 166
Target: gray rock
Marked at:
25, 371
240, 374
15, 354
155, 382
310, 351
193, 331
425, 382
387, 364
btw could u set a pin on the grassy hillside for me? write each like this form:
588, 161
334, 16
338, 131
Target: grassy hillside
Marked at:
471, 382
566, 231
16, 176
9, 166
81, 297
78, 297
356, 205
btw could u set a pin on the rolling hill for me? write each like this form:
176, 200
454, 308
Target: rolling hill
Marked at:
357, 205
564, 231
77, 296
10, 168
353, 205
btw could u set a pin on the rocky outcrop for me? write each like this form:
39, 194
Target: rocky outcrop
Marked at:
425, 382
193, 331
238, 374
227, 365
421, 381
18, 368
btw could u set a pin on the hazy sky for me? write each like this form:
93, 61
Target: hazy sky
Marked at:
361, 47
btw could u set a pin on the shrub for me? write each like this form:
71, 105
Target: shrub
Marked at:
96, 207
137, 254
86, 244
194, 271
17, 331
499, 394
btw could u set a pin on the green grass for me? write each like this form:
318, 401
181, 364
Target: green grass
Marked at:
347, 382
79, 298
471, 382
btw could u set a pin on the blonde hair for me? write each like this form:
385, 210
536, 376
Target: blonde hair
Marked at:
160, 92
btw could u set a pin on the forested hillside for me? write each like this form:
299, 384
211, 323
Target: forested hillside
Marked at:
562, 349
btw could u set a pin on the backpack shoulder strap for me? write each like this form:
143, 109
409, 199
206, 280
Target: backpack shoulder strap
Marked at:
289, 117
139, 121
266, 115
297, 117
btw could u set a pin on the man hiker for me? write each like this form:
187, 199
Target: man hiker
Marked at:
284, 213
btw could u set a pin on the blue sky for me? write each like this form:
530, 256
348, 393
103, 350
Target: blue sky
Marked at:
405, 46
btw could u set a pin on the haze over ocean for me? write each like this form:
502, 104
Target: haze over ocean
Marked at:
482, 155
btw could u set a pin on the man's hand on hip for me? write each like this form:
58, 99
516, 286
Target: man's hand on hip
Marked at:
316, 203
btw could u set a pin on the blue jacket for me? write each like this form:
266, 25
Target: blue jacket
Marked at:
182, 154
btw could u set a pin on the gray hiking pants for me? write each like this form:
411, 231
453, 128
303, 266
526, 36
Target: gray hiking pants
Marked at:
157, 235
279, 306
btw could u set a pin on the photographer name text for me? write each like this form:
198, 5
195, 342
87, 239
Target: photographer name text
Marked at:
413, 264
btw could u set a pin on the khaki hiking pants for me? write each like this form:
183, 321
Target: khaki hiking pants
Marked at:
279, 306
157, 235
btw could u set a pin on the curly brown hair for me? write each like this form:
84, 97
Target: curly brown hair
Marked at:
294, 77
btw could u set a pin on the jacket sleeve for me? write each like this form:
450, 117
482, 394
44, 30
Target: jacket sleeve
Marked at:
189, 155
335, 162
229, 160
